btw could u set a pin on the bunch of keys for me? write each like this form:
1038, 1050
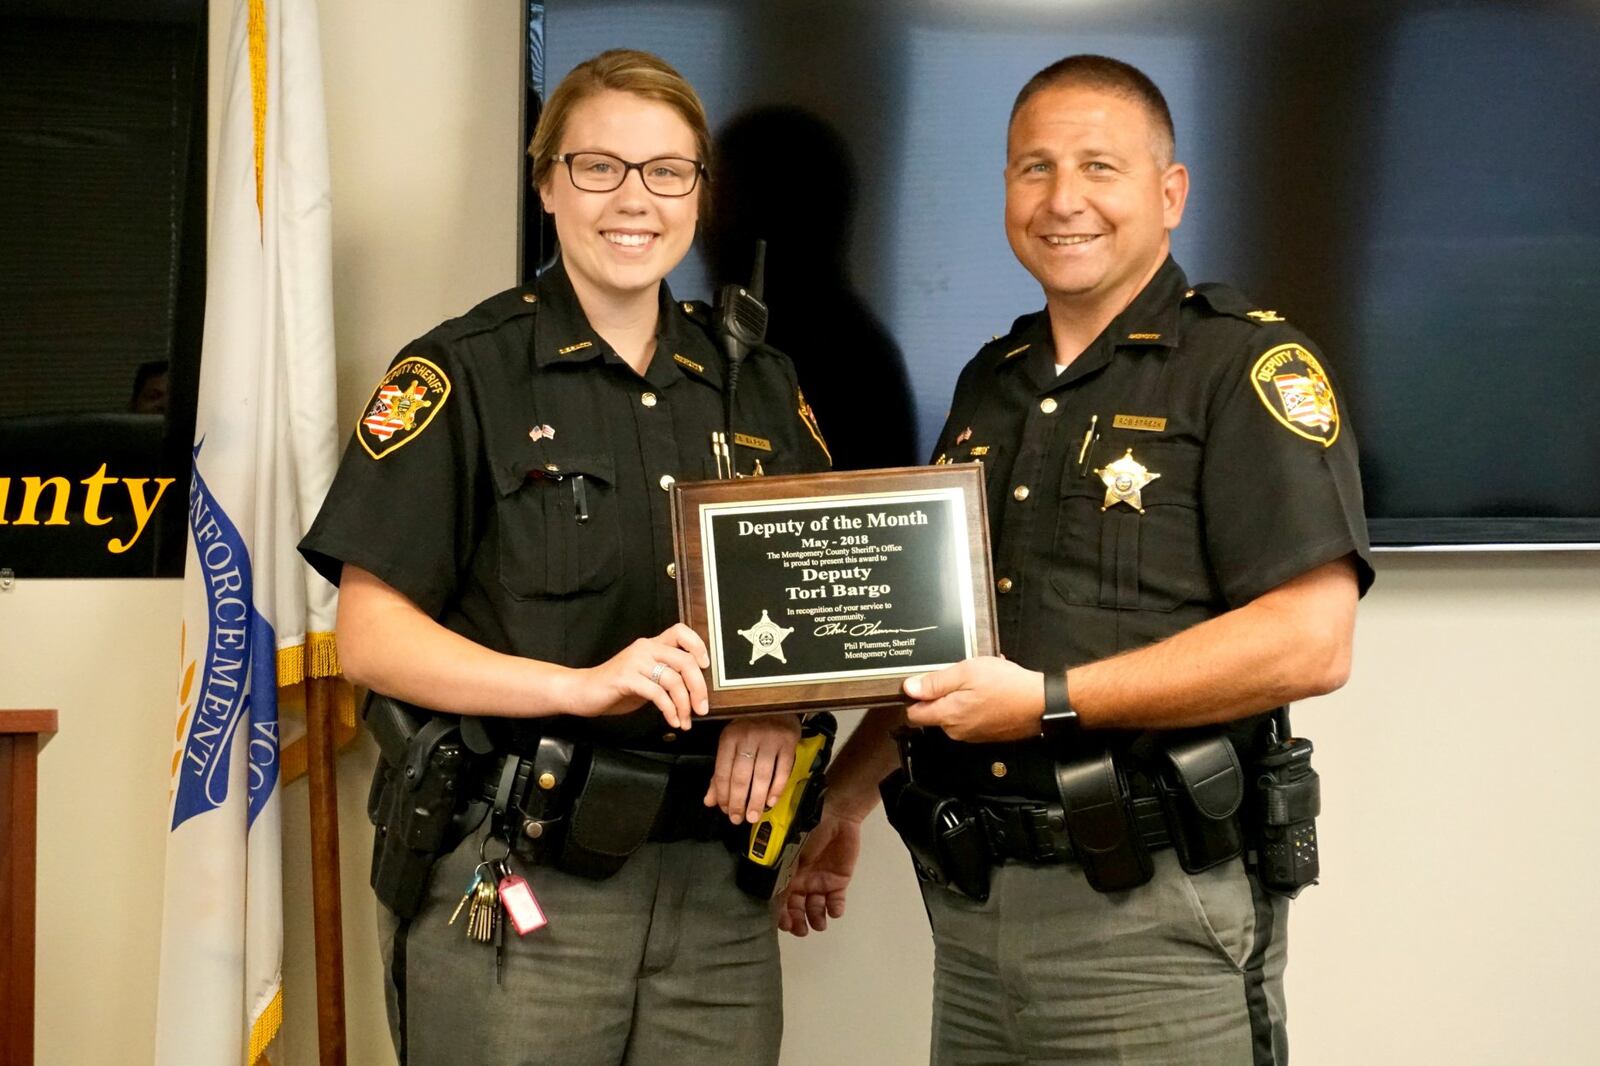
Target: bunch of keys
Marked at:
484, 894
494, 886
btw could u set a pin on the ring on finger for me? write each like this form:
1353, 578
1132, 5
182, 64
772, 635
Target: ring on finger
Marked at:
747, 755
656, 672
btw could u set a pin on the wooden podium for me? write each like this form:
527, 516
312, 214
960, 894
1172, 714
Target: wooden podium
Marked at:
22, 734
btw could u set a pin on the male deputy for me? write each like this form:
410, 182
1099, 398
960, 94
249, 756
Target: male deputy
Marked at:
1178, 548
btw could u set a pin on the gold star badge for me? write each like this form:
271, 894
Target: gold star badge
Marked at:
1125, 480
766, 638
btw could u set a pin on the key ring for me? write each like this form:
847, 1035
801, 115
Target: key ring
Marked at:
483, 848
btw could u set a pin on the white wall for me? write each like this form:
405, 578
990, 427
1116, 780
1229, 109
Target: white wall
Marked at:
1455, 924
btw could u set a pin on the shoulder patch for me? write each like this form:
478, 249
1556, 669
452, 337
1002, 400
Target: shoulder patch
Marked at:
810, 419
1292, 385
405, 402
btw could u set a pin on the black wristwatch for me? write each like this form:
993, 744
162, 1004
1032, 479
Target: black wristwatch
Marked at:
1060, 721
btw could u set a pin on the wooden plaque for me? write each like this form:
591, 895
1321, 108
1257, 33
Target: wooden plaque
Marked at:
828, 590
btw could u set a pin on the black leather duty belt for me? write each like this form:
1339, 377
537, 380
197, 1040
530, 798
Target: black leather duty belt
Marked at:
1023, 831
682, 814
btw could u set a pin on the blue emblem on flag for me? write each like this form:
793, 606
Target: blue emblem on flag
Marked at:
239, 682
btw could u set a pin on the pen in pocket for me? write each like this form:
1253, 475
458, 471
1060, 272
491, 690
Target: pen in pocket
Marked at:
1089, 437
580, 497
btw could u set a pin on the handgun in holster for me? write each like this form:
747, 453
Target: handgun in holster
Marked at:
417, 806
773, 847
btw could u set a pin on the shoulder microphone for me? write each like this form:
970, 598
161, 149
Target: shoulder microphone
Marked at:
740, 319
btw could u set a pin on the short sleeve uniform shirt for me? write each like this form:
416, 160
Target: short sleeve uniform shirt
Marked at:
1192, 458
510, 476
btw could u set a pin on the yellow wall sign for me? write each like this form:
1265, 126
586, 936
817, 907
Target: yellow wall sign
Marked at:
55, 501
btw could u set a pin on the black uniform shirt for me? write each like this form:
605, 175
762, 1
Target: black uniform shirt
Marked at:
1248, 471
510, 476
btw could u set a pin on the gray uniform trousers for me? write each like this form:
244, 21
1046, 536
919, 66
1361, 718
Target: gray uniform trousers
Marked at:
667, 962
1186, 970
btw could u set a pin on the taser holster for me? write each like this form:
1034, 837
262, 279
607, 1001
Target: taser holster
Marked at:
942, 833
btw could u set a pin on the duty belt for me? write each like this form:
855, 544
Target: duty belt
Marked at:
1034, 832
682, 814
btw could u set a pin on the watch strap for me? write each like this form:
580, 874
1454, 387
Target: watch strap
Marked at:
1059, 718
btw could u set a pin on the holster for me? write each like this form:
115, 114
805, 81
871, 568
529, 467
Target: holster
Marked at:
1100, 824
1201, 786
943, 835
612, 813
416, 804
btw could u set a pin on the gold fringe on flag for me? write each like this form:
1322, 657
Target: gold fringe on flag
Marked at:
317, 657
258, 93
265, 1029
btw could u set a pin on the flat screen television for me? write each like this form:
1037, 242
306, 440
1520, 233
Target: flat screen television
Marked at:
1415, 183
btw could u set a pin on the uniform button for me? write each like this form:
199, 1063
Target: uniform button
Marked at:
672, 571
648, 399
1004, 584
1048, 405
547, 780
998, 769
669, 737
1019, 493
530, 298
666, 481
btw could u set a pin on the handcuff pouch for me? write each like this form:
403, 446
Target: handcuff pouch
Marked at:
1104, 841
612, 813
1201, 786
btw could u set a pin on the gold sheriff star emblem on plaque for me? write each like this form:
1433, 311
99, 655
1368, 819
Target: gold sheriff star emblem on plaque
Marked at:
766, 638
1125, 480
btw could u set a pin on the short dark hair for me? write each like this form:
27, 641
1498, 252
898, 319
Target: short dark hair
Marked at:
1110, 76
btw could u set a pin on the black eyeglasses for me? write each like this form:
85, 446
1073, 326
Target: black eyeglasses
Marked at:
667, 175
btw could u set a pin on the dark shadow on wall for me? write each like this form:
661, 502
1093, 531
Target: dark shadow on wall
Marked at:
784, 175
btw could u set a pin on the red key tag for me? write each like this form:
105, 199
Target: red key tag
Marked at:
523, 910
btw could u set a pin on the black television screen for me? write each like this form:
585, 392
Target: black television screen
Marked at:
1414, 183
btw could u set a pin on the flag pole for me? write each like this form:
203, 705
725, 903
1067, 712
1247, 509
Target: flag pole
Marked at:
327, 922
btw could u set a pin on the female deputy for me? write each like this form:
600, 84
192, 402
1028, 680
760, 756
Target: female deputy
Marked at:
500, 531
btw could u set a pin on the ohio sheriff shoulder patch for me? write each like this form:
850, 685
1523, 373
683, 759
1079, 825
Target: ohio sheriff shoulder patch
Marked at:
1293, 386
408, 398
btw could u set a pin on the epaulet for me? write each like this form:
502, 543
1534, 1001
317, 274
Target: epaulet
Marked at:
1226, 300
491, 313
1003, 346
699, 312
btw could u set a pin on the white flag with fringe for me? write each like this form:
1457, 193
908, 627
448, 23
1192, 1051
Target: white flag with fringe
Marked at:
254, 616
